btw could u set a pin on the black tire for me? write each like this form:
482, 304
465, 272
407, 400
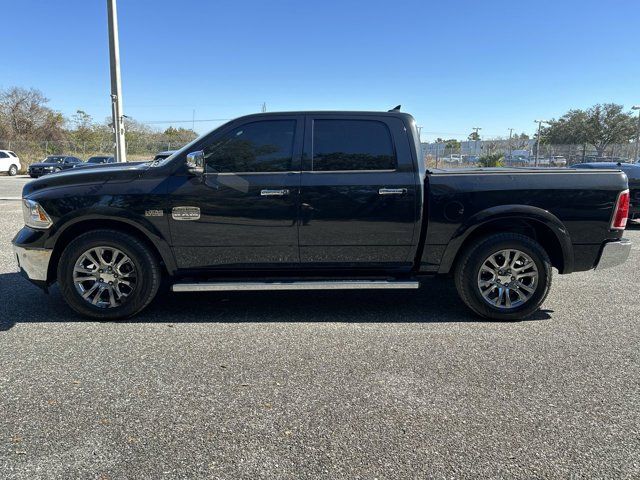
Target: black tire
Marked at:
13, 171
146, 265
467, 271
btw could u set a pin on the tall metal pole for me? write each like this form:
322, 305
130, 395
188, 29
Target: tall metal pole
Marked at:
539, 122
475, 129
637, 156
510, 150
116, 85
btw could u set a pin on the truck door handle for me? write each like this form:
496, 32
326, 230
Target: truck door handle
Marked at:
392, 191
274, 193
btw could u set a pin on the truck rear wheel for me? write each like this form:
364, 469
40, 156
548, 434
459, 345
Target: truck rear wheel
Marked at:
108, 275
505, 276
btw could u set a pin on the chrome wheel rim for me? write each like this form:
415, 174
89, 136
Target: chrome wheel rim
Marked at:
507, 279
105, 277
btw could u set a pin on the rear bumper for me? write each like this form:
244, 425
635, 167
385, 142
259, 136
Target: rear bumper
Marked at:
33, 262
614, 254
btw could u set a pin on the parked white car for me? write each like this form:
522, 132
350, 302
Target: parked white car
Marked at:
558, 161
454, 158
9, 162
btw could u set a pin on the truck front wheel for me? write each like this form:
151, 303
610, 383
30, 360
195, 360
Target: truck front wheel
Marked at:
505, 276
108, 275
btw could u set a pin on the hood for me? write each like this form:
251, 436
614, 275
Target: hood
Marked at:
43, 164
85, 176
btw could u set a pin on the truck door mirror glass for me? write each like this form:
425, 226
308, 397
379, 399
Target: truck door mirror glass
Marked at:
195, 162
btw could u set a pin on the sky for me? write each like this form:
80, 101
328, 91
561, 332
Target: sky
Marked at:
453, 64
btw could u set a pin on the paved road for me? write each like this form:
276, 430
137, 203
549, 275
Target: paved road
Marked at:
11, 187
321, 385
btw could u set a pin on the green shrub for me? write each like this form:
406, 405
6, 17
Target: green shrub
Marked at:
491, 160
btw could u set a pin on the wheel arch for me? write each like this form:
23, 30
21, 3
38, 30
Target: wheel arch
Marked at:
534, 222
156, 245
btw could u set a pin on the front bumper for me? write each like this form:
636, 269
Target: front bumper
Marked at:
614, 254
33, 262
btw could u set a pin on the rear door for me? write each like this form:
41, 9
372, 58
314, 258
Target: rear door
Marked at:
358, 201
243, 212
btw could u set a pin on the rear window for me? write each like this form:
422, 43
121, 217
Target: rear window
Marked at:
352, 145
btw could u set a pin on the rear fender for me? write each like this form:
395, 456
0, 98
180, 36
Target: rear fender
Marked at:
506, 213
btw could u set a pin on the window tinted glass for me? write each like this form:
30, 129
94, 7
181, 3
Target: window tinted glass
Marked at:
265, 146
352, 145
3, 155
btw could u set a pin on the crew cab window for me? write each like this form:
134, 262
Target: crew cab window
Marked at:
352, 145
265, 146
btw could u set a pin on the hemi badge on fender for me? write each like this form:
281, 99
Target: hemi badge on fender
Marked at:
153, 213
185, 213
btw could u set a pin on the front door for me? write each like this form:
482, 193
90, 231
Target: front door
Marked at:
358, 203
242, 213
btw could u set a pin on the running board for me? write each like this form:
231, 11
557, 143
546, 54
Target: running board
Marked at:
295, 285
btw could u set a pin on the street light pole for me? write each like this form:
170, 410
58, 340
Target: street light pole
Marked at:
510, 151
539, 122
637, 156
475, 129
116, 85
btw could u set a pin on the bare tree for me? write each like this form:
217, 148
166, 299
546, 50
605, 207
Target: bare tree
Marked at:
24, 114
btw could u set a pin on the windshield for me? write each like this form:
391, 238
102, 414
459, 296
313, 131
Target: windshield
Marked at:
53, 160
98, 160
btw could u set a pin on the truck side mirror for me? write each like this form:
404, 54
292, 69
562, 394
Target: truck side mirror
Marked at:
195, 162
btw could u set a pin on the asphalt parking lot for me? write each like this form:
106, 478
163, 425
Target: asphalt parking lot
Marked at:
320, 385
11, 187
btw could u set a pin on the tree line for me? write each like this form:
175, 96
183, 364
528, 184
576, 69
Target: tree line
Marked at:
27, 120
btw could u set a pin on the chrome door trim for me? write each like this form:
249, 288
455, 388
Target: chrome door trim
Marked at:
274, 193
392, 191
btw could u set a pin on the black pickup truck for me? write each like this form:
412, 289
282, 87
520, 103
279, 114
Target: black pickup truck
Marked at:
316, 200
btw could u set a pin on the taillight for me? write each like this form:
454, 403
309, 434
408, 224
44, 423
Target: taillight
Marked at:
621, 211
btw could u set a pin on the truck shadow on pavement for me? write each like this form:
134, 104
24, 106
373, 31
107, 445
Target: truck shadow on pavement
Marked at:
435, 302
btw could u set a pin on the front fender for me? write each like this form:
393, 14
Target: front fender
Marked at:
506, 213
109, 217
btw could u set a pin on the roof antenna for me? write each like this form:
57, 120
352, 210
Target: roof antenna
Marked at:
396, 109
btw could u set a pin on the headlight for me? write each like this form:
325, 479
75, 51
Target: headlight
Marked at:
34, 215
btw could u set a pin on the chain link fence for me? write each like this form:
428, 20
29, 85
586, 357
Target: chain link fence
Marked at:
467, 154
32, 151
470, 154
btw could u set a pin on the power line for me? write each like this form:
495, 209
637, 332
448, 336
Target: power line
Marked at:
186, 121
